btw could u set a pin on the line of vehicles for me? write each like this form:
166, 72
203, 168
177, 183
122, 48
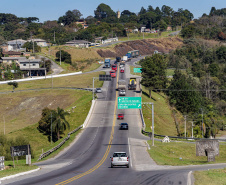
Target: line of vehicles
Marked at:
121, 158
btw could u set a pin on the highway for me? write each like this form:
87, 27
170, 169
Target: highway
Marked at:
87, 161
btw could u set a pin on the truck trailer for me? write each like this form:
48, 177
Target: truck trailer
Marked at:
132, 84
107, 62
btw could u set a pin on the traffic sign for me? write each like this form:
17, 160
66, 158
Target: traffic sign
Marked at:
137, 70
104, 77
129, 102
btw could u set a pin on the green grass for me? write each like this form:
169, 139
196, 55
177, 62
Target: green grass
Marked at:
20, 166
180, 153
132, 69
67, 81
210, 177
139, 36
163, 120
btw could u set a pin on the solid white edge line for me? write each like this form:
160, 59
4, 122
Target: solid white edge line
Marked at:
19, 174
189, 178
131, 164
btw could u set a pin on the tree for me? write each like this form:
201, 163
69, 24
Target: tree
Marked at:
182, 93
14, 84
65, 56
69, 17
104, 11
60, 123
77, 13
29, 46
154, 72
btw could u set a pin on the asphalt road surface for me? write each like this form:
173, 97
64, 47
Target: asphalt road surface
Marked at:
87, 161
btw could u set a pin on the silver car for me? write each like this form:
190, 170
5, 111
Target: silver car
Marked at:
122, 92
120, 159
98, 90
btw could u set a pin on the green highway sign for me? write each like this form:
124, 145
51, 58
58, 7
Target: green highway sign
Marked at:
129, 102
137, 70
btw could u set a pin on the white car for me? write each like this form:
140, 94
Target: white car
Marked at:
98, 90
122, 92
120, 159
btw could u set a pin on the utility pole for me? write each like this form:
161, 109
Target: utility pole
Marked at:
185, 126
192, 129
33, 46
29, 69
202, 122
4, 124
54, 37
51, 128
60, 56
152, 124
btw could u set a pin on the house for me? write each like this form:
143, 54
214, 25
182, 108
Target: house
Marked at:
10, 60
40, 42
142, 29
78, 43
16, 45
11, 54
83, 23
32, 67
98, 39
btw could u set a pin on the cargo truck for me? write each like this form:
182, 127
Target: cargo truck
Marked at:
124, 58
132, 84
107, 62
132, 54
121, 85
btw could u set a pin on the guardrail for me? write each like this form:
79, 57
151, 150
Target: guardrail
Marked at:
142, 119
59, 145
176, 137
2, 165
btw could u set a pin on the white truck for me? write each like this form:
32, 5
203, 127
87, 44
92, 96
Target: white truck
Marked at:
124, 58
119, 159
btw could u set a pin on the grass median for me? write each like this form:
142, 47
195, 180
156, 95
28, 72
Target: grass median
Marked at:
181, 153
210, 177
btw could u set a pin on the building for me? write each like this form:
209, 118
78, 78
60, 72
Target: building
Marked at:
118, 14
11, 54
10, 60
16, 45
40, 42
78, 43
32, 67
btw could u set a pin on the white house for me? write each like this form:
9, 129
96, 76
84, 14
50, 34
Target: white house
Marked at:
40, 42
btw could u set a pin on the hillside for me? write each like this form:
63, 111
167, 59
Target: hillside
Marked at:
145, 46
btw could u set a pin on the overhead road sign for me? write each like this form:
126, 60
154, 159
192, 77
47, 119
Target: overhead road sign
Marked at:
129, 102
104, 77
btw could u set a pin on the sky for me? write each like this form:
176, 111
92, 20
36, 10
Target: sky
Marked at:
53, 9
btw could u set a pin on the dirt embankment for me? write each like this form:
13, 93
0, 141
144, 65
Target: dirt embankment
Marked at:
145, 46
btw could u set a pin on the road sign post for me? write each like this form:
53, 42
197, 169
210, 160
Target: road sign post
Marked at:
129, 102
137, 70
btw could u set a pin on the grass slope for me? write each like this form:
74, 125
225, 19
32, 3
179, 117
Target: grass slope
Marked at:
210, 177
163, 120
83, 59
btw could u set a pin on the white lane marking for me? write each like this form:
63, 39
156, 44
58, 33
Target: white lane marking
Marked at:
189, 178
131, 164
